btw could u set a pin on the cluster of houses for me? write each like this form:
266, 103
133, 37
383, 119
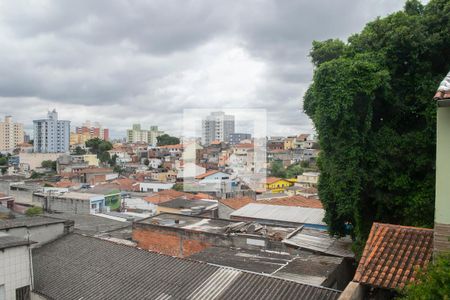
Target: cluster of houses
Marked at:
180, 222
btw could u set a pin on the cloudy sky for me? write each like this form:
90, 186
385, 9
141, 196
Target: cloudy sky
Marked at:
127, 61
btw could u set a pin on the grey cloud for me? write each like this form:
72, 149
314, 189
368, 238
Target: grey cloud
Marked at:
122, 62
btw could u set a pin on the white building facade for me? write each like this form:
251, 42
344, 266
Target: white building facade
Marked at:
11, 134
217, 127
139, 135
51, 135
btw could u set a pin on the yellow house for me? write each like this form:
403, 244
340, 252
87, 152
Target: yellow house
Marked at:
91, 159
289, 143
278, 185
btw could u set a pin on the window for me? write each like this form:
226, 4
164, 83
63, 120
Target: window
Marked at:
23, 293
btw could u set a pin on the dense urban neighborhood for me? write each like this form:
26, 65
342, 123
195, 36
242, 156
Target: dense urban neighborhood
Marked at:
356, 208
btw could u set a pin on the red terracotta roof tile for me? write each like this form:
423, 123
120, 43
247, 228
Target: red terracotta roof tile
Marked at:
392, 255
127, 184
245, 146
203, 196
210, 172
294, 201
167, 195
270, 180
176, 146
238, 202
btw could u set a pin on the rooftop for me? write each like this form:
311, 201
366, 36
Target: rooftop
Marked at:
167, 195
305, 267
208, 173
130, 273
294, 201
9, 241
216, 226
238, 202
181, 203
201, 224
95, 225
393, 254
291, 214
266, 262
320, 241
95, 170
71, 195
28, 222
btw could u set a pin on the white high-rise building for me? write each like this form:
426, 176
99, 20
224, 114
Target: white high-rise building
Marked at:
11, 134
217, 127
51, 135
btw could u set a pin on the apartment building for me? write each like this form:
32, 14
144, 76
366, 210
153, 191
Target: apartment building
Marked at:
51, 135
93, 130
11, 134
138, 135
217, 127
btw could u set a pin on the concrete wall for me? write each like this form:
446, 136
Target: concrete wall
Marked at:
154, 186
40, 234
15, 270
442, 205
353, 291
67, 205
22, 194
34, 160
224, 211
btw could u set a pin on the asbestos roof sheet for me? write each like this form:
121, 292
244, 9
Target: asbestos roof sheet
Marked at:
80, 267
28, 222
9, 241
320, 241
300, 215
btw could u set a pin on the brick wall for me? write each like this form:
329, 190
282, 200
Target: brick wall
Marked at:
168, 242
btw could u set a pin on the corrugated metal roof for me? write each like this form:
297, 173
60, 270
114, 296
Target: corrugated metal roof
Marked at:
80, 267
300, 215
318, 240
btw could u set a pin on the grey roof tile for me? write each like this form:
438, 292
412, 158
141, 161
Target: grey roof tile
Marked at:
80, 267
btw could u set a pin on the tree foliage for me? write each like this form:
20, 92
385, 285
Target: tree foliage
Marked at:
98, 146
432, 284
277, 169
178, 187
49, 164
370, 102
166, 139
101, 148
79, 151
34, 211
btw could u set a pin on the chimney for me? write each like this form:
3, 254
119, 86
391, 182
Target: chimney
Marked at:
442, 202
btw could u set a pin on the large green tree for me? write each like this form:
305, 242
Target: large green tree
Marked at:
166, 139
100, 148
370, 102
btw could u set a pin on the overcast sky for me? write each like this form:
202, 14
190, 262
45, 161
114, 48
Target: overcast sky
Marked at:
129, 61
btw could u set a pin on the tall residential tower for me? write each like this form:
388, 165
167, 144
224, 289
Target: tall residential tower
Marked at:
11, 134
51, 135
217, 127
